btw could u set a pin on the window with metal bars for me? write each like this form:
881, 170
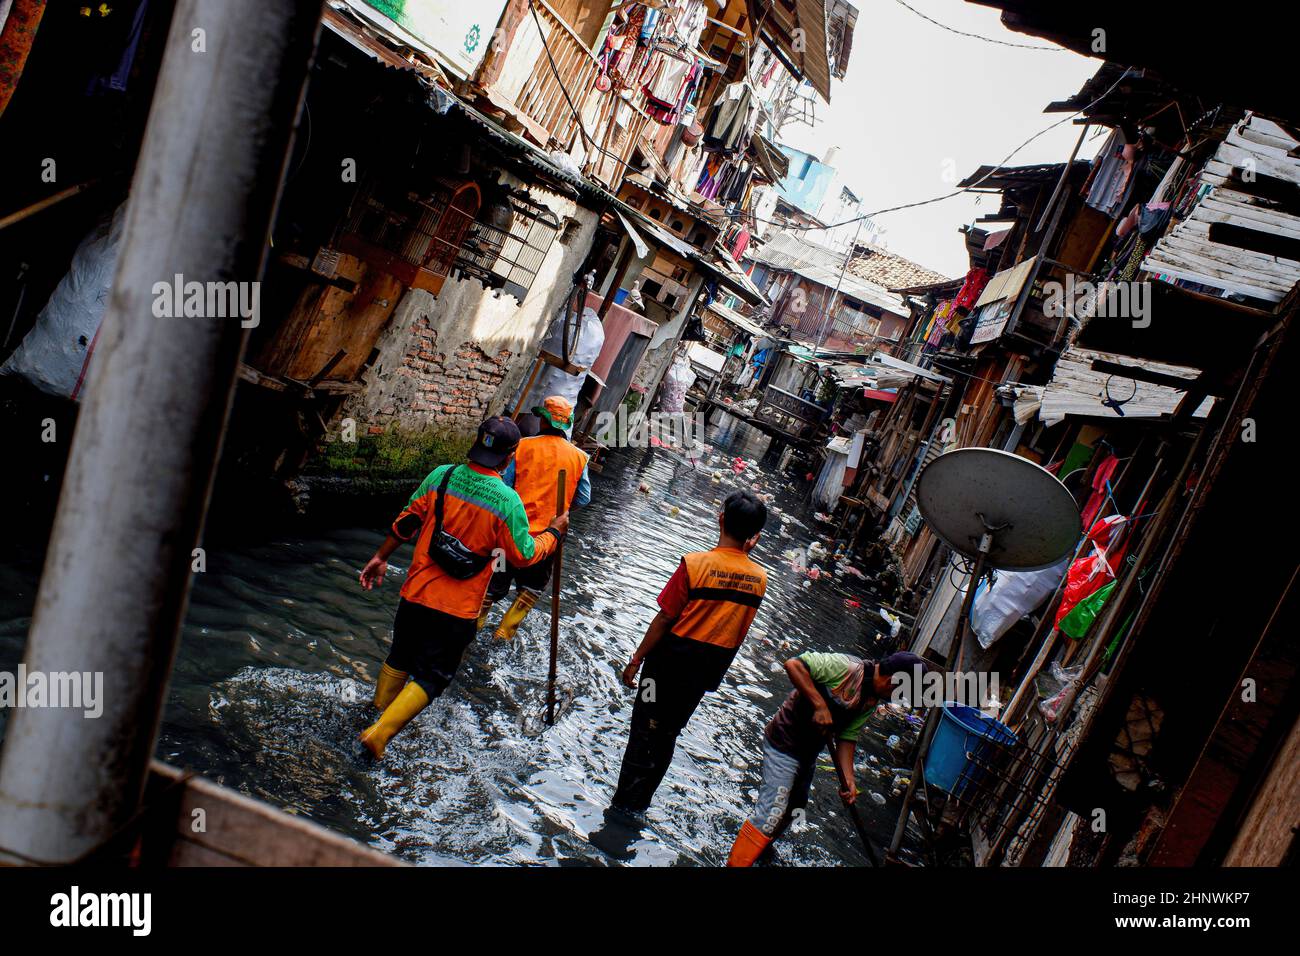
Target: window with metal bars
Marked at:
414, 236
509, 259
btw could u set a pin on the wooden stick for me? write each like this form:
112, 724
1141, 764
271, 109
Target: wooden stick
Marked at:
43, 204
523, 396
555, 604
851, 809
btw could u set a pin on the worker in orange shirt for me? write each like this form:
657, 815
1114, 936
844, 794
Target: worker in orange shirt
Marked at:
705, 612
533, 474
461, 518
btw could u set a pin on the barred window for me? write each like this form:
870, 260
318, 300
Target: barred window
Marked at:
510, 259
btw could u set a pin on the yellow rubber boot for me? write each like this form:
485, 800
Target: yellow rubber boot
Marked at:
749, 846
483, 613
515, 616
398, 714
390, 683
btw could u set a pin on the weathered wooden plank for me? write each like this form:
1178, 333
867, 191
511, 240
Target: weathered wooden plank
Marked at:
1156, 265
1260, 143
218, 826
1267, 127
1213, 209
1208, 256
1236, 156
326, 319
1268, 831
1246, 259
1222, 270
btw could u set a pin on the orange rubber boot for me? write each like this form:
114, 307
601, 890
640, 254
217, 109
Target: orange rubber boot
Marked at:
749, 846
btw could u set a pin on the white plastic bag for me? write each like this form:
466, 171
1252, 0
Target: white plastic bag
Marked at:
1012, 595
55, 355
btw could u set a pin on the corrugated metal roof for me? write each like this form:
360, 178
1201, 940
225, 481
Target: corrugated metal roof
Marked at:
785, 250
787, 253
361, 27
780, 25
741, 322
1002, 178
854, 287
1194, 250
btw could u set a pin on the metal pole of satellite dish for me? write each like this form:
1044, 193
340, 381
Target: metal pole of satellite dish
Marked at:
932, 721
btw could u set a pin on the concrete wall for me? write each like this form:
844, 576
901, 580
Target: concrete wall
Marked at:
446, 363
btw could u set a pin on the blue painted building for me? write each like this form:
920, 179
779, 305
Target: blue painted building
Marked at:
807, 182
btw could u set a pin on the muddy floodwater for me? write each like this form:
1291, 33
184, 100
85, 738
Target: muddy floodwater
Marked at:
281, 647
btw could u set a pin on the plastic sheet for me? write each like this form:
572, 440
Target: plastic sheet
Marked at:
55, 356
1012, 595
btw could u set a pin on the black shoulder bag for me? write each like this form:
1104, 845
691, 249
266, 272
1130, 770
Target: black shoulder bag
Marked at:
446, 549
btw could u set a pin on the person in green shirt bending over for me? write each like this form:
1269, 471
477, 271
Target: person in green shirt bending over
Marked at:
833, 696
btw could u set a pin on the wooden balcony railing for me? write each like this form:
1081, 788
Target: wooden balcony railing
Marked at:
527, 78
536, 84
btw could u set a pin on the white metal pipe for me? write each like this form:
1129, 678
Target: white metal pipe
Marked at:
117, 572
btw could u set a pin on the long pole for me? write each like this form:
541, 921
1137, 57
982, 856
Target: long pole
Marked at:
117, 572
555, 605
826, 320
850, 808
918, 771
961, 638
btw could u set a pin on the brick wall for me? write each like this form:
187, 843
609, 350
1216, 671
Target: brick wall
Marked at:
452, 391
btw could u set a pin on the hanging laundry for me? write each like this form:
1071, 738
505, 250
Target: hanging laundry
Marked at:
740, 244
727, 129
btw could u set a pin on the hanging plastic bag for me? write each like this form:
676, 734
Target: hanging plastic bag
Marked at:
1055, 687
1011, 596
1095, 569
55, 355
1079, 620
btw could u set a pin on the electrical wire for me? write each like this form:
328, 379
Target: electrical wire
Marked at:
856, 219
963, 189
976, 36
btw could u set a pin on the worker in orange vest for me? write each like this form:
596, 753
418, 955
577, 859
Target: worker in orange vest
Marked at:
533, 474
461, 518
705, 612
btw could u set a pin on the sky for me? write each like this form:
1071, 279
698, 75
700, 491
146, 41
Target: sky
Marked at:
920, 103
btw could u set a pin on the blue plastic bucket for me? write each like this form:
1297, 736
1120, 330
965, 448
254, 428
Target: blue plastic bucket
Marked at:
619, 296
963, 734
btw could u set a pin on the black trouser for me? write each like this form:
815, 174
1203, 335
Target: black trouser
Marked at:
429, 644
659, 713
534, 577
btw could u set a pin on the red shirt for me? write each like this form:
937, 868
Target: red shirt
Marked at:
672, 599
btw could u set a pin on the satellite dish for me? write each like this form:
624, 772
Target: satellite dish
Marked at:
1030, 517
